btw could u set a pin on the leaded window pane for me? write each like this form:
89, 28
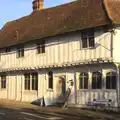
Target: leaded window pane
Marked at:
27, 81
83, 81
50, 80
34, 81
96, 80
3, 81
111, 80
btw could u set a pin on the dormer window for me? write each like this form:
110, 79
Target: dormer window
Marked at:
41, 47
87, 39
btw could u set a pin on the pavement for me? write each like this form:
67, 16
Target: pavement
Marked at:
13, 110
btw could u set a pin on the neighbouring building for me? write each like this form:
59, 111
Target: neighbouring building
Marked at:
72, 47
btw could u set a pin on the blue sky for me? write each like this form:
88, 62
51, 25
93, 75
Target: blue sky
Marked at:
14, 9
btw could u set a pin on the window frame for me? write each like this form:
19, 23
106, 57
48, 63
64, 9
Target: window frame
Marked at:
83, 80
33, 82
3, 81
27, 81
50, 80
8, 49
88, 35
110, 85
96, 81
20, 52
41, 47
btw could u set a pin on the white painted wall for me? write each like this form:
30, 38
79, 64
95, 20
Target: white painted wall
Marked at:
59, 50
116, 45
15, 90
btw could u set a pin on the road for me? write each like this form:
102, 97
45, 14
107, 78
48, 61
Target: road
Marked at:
24, 114
13, 110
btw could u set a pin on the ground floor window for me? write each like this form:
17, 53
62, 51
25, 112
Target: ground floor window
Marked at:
96, 80
31, 81
111, 80
3, 81
27, 81
34, 81
50, 80
83, 81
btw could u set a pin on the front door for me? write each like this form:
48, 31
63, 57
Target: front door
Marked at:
60, 87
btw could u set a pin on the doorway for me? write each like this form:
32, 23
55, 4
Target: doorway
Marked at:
60, 88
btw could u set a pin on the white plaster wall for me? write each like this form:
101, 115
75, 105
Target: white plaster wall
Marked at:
15, 86
59, 50
116, 45
85, 96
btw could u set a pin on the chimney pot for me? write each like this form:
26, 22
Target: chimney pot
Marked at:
38, 4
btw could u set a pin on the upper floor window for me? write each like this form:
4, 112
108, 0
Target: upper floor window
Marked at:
87, 39
96, 80
83, 81
50, 80
31, 81
41, 47
3, 81
20, 52
7, 49
111, 80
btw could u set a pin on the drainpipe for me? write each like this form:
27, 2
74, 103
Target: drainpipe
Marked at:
75, 88
7, 85
111, 44
16, 86
21, 86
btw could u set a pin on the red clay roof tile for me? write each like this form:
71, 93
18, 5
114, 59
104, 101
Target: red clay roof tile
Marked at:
44, 23
113, 10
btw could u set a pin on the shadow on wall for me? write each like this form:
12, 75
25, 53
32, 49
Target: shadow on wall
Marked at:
95, 98
59, 101
84, 98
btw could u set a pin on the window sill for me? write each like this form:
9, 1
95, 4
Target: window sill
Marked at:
3, 89
41, 54
30, 91
20, 57
49, 90
83, 89
110, 90
96, 89
87, 48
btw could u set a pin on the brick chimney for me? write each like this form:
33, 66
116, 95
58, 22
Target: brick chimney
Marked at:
38, 4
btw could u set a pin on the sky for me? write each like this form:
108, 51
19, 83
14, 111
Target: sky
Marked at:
14, 9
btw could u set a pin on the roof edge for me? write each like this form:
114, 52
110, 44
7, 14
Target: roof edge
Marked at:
106, 9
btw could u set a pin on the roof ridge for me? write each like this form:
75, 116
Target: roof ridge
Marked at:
53, 7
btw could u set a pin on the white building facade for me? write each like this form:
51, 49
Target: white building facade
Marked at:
47, 68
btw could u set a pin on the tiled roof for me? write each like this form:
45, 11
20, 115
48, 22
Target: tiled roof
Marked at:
113, 10
77, 15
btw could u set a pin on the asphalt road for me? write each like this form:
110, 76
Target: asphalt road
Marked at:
13, 110
26, 114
